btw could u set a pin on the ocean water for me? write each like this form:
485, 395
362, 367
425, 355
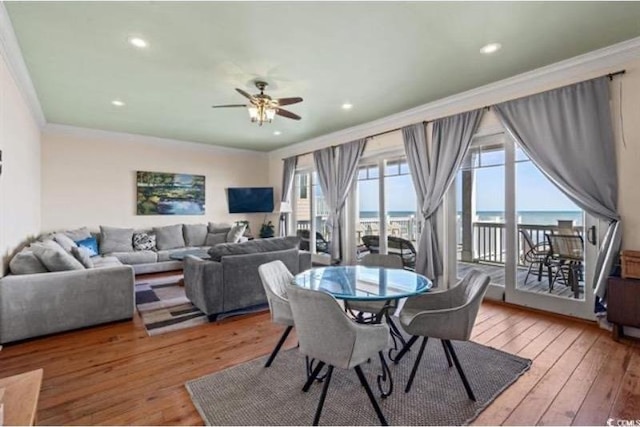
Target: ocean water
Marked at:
524, 217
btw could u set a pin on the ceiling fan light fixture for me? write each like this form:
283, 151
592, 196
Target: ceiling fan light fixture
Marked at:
261, 113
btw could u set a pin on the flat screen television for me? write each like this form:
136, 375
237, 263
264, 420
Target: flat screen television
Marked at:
250, 199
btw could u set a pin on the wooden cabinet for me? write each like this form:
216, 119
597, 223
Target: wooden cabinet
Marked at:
623, 304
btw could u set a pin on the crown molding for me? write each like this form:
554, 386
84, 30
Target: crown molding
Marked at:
53, 129
582, 67
10, 51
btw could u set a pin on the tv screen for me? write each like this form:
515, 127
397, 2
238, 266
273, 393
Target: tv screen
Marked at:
250, 200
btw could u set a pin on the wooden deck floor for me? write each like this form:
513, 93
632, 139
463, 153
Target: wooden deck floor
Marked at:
497, 276
116, 374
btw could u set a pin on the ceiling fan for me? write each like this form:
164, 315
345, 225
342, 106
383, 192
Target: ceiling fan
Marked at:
262, 108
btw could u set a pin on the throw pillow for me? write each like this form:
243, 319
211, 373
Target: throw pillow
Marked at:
90, 243
215, 239
144, 242
64, 241
114, 239
233, 236
219, 227
169, 237
26, 262
54, 257
79, 234
195, 234
83, 255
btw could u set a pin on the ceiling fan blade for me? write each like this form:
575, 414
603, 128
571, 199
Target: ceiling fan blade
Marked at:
288, 101
228, 106
245, 94
287, 114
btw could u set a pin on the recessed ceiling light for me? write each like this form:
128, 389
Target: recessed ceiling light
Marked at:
138, 42
347, 106
490, 48
277, 132
117, 103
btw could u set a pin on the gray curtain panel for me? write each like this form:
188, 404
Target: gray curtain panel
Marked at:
336, 168
432, 173
567, 133
288, 174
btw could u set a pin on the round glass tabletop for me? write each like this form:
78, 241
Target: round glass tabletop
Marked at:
359, 283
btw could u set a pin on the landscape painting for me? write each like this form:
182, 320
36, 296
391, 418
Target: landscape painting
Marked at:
161, 193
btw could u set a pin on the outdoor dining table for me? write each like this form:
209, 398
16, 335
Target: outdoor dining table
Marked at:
360, 283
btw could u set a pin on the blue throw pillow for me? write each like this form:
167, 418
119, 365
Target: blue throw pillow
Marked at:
90, 243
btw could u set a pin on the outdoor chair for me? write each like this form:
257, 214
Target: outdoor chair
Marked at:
536, 256
329, 336
395, 246
322, 245
447, 315
275, 276
567, 255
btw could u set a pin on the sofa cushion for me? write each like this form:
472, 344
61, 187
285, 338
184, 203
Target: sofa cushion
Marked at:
253, 247
165, 255
105, 261
26, 262
114, 239
90, 243
64, 241
54, 257
215, 239
83, 255
169, 237
143, 241
137, 257
236, 232
78, 234
195, 234
219, 227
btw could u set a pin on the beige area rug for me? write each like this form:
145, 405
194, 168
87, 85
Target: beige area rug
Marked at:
164, 307
250, 394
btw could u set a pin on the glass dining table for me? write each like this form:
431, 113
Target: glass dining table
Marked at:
369, 284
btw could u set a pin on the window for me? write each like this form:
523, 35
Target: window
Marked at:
310, 213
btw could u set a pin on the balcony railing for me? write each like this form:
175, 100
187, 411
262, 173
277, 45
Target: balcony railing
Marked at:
489, 240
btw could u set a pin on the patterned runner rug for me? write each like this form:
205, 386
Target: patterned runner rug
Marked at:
164, 307
250, 394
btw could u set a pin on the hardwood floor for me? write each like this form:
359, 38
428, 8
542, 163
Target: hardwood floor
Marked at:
116, 374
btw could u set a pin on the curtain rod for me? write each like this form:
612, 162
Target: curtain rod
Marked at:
486, 107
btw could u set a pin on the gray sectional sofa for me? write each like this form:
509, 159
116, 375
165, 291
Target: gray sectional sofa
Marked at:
229, 281
57, 286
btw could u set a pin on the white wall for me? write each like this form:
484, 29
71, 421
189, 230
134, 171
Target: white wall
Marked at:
20, 179
89, 177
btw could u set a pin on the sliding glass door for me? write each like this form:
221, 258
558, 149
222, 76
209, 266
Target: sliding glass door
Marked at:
514, 224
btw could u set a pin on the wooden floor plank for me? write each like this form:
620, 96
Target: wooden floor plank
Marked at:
577, 386
117, 375
627, 403
603, 391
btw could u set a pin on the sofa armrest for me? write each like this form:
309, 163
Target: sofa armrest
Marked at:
304, 261
38, 304
203, 282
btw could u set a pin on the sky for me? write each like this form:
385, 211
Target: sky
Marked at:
534, 192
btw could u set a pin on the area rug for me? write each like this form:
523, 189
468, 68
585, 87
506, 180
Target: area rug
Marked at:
164, 307
250, 394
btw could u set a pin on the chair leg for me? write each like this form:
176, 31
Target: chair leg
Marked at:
526, 278
312, 377
372, 398
460, 370
275, 351
405, 349
540, 266
327, 380
415, 365
446, 352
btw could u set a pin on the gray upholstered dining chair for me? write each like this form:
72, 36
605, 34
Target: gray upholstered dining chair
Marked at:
327, 334
375, 260
275, 277
447, 315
